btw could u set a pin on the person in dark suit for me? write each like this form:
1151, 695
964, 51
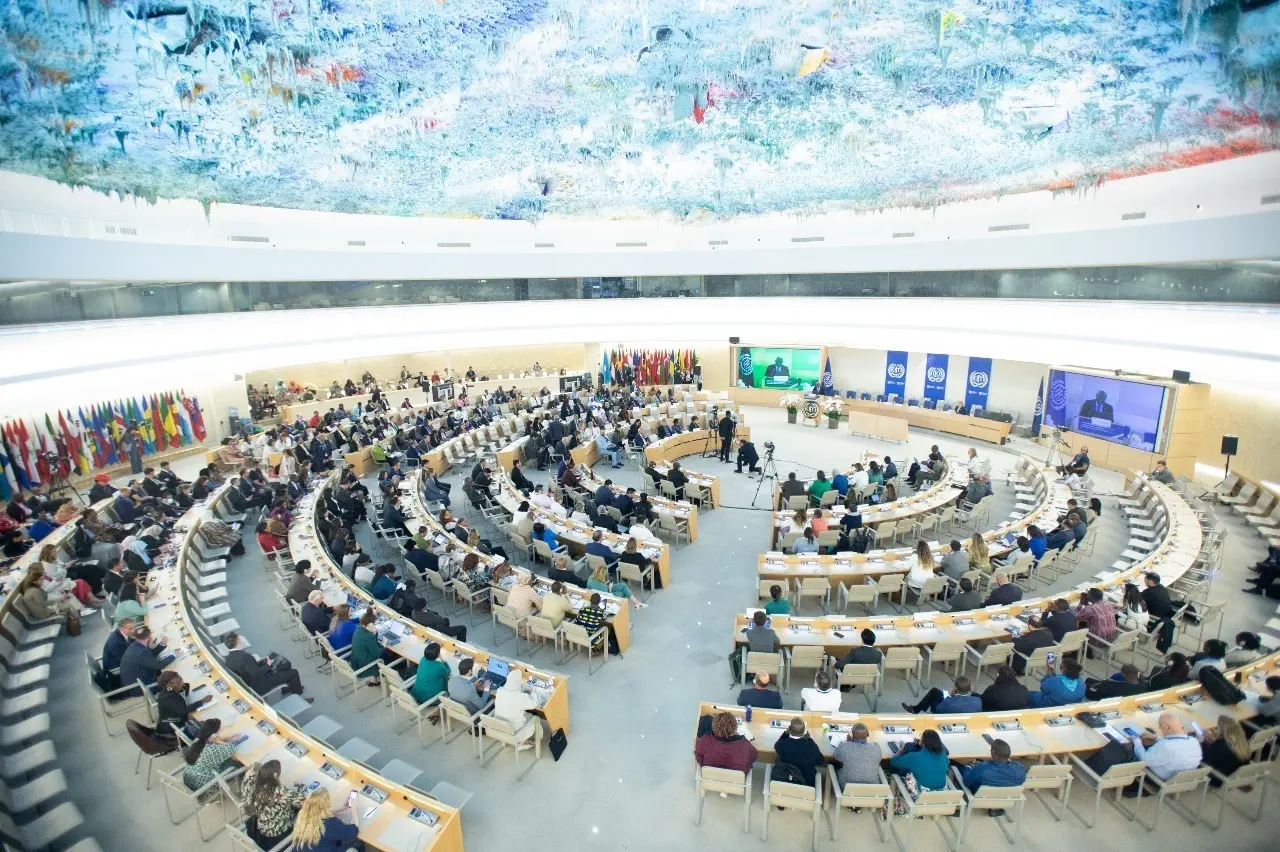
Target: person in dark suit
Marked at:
1098, 407
1039, 637
1060, 620
315, 615
1006, 693
760, 694
257, 674
1130, 683
747, 455
1002, 591
437, 622
678, 479
725, 429
141, 661
113, 649
126, 509
172, 707
519, 480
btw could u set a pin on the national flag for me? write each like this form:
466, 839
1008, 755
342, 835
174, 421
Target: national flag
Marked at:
30, 452
78, 427
145, 426
157, 423
184, 420
606, 370
197, 418
69, 442
63, 454
17, 459
106, 433
828, 386
166, 415
1038, 417
41, 459
117, 423
8, 484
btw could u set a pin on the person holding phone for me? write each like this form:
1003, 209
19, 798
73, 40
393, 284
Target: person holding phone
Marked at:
318, 829
1066, 687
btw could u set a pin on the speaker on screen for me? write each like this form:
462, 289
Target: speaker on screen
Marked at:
1183, 376
1230, 445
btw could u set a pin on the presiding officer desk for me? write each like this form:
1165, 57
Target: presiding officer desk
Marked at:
269, 735
1172, 556
1042, 731
618, 613
965, 425
662, 452
861, 567
404, 637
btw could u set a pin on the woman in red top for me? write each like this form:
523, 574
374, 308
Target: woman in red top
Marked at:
724, 747
268, 542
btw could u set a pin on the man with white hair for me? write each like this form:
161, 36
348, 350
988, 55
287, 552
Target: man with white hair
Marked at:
1002, 591
977, 466
1168, 754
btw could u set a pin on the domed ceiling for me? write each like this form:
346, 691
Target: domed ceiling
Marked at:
627, 108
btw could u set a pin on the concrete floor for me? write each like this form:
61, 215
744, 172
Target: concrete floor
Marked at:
626, 780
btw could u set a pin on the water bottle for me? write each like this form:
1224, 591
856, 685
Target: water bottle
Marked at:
748, 713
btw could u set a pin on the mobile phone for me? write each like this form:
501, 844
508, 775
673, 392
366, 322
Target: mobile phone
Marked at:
1050, 658
895, 746
351, 798
990, 739
313, 786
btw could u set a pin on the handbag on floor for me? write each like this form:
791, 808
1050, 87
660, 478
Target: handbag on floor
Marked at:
73, 624
558, 743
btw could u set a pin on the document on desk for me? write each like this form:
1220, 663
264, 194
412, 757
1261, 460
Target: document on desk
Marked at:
405, 834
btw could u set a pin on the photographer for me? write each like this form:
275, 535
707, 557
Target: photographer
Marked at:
725, 428
747, 455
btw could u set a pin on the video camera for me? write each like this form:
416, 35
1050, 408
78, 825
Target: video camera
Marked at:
769, 447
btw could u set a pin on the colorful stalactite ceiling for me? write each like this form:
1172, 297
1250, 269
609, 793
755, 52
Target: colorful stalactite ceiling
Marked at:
627, 108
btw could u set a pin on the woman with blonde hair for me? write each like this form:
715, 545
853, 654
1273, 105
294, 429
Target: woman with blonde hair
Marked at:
38, 602
319, 828
1225, 747
979, 556
599, 582
923, 567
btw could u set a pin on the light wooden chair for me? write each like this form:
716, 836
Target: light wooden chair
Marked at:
506, 616
575, 635
505, 734
1115, 779
1176, 785
856, 797
933, 590
997, 654
867, 594
726, 782
906, 659
1251, 775
1054, 776
804, 657
463, 593
760, 661
946, 808
890, 585
798, 797
542, 629
814, 587
452, 712
863, 675
884, 534
989, 798
632, 573
944, 653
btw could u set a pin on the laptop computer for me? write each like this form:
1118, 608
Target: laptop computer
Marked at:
497, 672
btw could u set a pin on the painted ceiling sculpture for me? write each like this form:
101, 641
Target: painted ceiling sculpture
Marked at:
627, 108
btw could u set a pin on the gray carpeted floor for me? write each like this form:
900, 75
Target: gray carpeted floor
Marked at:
625, 781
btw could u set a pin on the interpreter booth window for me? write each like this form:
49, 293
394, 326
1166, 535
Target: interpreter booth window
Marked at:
611, 288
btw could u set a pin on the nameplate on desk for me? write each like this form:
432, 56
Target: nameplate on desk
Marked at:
801, 628
925, 625
1192, 698
241, 706
425, 817
221, 685
295, 749
962, 622
1009, 725
333, 770
954, 728
883, 627
1151, 707
1000, 616
371, 792
896, 729
1059, 721
266, 727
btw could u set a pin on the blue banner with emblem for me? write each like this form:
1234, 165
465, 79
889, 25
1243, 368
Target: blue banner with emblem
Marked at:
895, 374
975, 391
935, 377
1038, 417
828, 385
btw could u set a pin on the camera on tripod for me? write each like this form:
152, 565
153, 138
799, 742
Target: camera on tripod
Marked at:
769, 447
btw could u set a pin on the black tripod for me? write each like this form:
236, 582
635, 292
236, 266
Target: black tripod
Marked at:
59, 481
769, 472
712, 446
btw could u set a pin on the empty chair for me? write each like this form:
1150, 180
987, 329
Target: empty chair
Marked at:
1251, 776
903, 659
992, 655
814, 587
863, 675
1189, 781
727, 782
149, 746
945, 653
1052, 776
859, 593
1115, 779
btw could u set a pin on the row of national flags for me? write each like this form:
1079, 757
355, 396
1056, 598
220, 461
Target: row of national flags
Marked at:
651, 367
80, 440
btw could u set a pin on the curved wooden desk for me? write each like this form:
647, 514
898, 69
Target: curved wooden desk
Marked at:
1036, 737
617, 611
414, 637
662, 453
1170, 558
844, 567
270, 735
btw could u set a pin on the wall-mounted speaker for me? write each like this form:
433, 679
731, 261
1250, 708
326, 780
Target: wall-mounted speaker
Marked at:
735, 340
1230, 445
1181, 376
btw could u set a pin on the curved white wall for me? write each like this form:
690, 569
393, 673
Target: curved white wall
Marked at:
1204, 213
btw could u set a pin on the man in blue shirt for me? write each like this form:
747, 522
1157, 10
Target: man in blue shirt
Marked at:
999, 771
607, 448
961, 700
840, 482
890, 469
759, 694
626, 502
42, 527
596, 547
126, 510
604, 494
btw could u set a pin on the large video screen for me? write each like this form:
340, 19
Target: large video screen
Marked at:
1114, 410
778, 369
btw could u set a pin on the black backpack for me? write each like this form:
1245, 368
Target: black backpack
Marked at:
788, 772
81, 543
861, 542
1219, 688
